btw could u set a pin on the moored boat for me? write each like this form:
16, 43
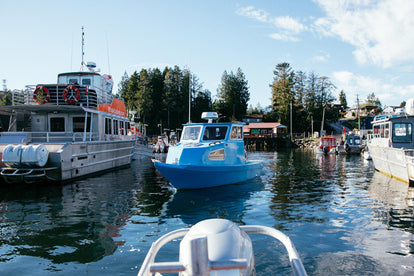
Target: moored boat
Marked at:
208, 155
66, 130
327, 145
391, 145
350, 144
216, 247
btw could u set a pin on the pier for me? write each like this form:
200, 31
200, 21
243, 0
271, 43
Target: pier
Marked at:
267, 143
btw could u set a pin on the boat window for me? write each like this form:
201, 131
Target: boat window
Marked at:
382, 130
214, 133
401, 132
79, 124
236, 132
191, 133
115, 127
86, 81
73, 81
108, 126
127, 127
57, 124
121, 128
216, 155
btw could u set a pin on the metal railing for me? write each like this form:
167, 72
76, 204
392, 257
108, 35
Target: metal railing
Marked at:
47, 137
200, 264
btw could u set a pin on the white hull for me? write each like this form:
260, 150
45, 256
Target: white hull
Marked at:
74, 160
390, 161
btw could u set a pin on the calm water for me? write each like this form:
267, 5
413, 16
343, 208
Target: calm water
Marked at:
343, 217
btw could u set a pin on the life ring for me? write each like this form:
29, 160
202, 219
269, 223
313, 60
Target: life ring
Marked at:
41, 95
71, 98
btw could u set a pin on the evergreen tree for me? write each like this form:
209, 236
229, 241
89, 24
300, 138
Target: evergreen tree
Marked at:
233, 95
372, 100
342, 99
282, 92
144, 95
131, 92
123, 86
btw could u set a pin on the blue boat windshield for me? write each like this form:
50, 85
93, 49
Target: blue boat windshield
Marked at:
191, 133
214, 133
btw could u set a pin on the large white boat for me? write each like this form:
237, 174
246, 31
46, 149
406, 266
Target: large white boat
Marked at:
65, 130
391, 145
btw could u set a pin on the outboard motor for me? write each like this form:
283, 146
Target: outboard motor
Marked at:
224, 242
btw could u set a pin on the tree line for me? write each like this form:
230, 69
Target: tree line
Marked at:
164, 100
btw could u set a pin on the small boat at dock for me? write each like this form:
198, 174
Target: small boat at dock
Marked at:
66, 130
350, 144
327, 145
209, 155
216, 247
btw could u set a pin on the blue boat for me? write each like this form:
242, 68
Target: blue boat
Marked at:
209, 155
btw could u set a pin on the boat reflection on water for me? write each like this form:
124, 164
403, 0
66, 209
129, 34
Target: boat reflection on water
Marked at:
228, 202
77, 222
394, 207
397, 198
52, 213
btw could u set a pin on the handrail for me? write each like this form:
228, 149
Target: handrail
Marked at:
200, 264
157, 245
294, 258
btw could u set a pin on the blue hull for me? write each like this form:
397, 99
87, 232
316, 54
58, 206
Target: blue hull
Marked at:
196, 177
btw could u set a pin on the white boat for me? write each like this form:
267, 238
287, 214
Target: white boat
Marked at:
66, 130
391, 145
209, 155
216, 247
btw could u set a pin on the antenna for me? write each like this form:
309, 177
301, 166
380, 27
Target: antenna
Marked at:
83, 53
107, 52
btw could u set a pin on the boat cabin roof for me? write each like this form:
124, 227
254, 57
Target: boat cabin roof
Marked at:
202, 132
328, 138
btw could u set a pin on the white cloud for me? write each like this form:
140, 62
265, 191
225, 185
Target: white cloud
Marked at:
353, 85
381, 31
286, 26
284, 37
322, 57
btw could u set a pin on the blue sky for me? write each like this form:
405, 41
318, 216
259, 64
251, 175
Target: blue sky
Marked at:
362, 46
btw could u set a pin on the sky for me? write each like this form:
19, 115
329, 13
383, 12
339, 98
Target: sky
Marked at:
362, 46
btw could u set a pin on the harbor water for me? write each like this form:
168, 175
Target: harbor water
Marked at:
343, 217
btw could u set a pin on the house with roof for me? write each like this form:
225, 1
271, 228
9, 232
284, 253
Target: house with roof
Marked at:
268, 129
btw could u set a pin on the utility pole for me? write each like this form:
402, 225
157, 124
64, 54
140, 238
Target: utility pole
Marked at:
290, 119
359, 118
323, 119
189, 96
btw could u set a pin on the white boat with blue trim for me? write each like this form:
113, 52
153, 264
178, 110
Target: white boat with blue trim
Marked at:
209, 155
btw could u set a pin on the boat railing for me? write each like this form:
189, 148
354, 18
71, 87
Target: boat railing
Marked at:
22, 137
200, 262
88, 97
